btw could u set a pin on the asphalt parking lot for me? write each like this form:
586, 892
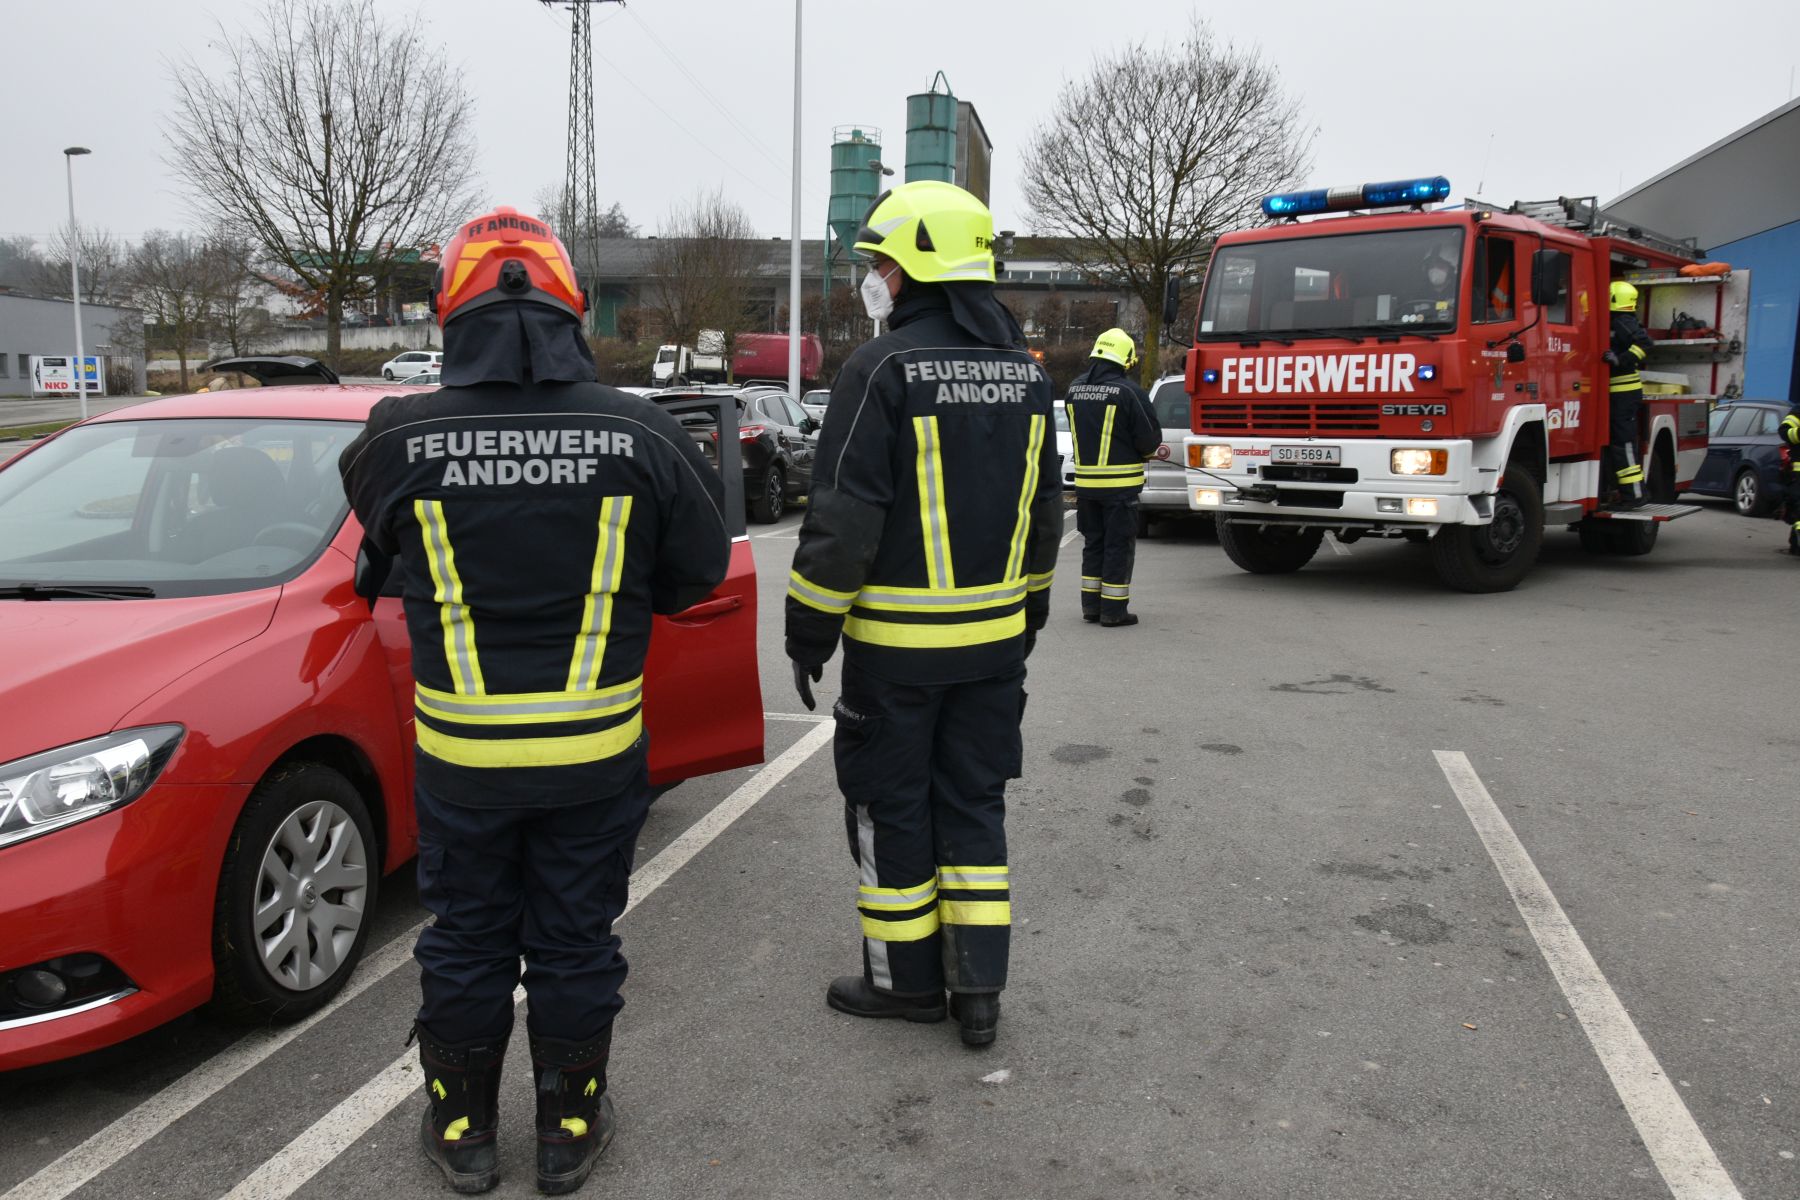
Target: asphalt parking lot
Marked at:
1328, 885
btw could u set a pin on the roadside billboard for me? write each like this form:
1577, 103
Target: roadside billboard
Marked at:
55, 375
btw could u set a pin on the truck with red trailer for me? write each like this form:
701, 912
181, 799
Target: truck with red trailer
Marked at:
1337, 389
757, 357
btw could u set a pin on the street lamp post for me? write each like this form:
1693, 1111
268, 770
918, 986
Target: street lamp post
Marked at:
75, 277
794, 231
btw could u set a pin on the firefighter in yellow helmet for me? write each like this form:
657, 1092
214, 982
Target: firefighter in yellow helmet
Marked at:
538, 519
928, 545
1789, 430
1113, 431
1620, 470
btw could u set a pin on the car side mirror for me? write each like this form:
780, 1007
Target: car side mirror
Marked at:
1171, 306
1515, 352
1544, 271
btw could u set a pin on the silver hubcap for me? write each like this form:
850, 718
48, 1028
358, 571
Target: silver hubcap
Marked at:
1746, 492
310, 896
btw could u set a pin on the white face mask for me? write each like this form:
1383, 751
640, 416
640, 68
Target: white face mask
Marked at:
1438, 276
876, 300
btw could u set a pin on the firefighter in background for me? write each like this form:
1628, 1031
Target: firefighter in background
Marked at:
1790, 437
1113, 431
929, 541
537, 519
1630, 346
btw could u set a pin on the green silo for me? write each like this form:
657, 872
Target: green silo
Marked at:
855, 181
931, 133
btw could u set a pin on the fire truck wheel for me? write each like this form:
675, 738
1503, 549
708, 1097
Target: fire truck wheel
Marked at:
1273, 550
1496, 556
1629, 539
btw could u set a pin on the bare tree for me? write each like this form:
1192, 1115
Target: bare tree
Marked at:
707, 253
1158, 151
179, 279
104, 260
240, 319
549, 202
332, 139
20, 263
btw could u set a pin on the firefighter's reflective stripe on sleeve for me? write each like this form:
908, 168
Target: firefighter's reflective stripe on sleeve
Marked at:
934, 637
1629, 382
826, 600
530, 752
1037, 583
459, 623
934, 520
974, 878
1790, 429
1639, 351
596, 610
941, 600
528, 708
898, 914
1034, 447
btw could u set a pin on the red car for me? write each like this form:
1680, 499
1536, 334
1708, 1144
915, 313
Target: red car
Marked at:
206, 753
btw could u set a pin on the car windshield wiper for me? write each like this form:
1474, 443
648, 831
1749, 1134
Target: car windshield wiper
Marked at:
75, 591
1327, 331
1394, 335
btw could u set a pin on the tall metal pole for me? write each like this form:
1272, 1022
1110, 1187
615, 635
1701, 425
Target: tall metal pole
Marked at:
75, 278
794, 234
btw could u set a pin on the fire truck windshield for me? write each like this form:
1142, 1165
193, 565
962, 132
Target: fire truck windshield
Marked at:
1335, 285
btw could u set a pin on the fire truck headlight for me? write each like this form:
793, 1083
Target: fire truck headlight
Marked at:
1419, 461
1208, 498
1422, 506
1210, 457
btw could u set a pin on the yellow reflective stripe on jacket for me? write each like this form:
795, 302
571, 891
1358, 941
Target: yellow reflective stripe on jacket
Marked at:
1116, 469
1074, 437
459, 623
1626, 383
1639, 351
934, 520
914, 930
934, 637
1015, 561
530, 752
941, 600
528, 708
826, 600
1105, 455
975, 912
1037, 583
1110, 481
596, 609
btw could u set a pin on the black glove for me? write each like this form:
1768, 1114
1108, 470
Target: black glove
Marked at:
1030, 641
805, 675
1610, 359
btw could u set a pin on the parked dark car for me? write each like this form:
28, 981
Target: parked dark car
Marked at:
1743, 455
777, 441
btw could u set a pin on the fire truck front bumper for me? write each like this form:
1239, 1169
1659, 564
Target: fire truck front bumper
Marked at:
1339, 482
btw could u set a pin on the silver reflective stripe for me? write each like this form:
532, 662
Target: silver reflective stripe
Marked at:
912, 899
931, 502
588, 702
880, 974
1116, 591
953, 878
456, 616
995, 596
975, 270
808, 592
1090, 583
1105, 456
615, 514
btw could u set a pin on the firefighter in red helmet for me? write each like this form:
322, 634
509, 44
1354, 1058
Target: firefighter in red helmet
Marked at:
537, 520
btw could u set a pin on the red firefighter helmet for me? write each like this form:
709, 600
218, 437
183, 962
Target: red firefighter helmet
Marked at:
505, 255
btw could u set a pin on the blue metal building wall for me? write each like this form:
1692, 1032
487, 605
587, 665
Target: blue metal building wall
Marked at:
1773, 260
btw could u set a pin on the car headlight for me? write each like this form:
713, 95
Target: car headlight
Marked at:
1210, 457
1419, 461
72, 783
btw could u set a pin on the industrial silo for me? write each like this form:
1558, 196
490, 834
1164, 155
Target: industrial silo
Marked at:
855, 180
931, 133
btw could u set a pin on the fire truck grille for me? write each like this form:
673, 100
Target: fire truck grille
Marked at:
1289, 419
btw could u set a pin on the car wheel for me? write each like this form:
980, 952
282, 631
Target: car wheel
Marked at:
1271, 550
387, 375
296, 895
1747, 494
1496, 556
769, 506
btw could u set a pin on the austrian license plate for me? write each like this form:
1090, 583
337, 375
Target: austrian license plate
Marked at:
1328, 456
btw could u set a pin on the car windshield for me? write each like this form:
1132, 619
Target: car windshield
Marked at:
182, 507
1398, 281
1062, 418
1170, 400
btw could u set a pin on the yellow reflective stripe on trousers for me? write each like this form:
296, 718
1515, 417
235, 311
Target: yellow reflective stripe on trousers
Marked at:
596, 610
1015, 562
912, 930
528, 708
934, 521
975, 912
934, 637
942, 600
826, 600
530, 752
459, 623
974, 878
912, 897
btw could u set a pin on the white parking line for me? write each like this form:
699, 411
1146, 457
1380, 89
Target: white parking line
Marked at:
1680, 1151
811, 718
1338, 548
332, 1134
791, 532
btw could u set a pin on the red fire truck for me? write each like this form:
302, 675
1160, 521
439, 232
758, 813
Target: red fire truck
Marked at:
1436, 374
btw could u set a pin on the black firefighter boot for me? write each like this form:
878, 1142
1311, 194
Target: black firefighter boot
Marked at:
979, 1015
575, 1118
855, 995
462, 1083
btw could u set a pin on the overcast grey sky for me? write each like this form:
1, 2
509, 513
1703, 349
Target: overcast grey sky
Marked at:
1598, 97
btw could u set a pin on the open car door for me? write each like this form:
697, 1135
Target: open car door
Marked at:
702, 688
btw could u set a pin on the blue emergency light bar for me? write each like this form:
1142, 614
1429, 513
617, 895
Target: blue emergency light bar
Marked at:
1393, 194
